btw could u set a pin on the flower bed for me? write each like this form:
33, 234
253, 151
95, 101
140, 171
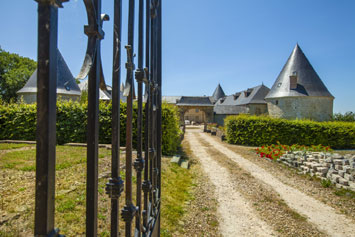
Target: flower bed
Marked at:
275, 151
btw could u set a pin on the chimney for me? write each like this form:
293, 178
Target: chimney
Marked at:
293, 81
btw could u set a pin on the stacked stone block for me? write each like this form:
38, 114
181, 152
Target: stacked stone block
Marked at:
340, 170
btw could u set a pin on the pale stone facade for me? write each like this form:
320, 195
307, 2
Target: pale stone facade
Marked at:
306, 107
195, 115
257, 109
30, 98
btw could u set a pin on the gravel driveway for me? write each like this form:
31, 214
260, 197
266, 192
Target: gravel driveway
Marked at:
245, 211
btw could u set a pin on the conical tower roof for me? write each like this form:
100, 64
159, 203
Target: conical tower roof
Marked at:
65, 81
218, 93
308, 81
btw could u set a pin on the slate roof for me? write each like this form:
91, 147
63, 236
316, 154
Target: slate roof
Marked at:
171, 99
103, 95
308, 81
194, 101
218, 93
235, 104
66, 84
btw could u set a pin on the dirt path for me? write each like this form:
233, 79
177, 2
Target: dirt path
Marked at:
323, 217
236, 217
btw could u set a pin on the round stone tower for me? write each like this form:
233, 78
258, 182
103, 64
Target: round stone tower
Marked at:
298, 92
67, 89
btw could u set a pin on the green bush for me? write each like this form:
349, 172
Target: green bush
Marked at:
170, 128
347, 117
257, 131
18, 122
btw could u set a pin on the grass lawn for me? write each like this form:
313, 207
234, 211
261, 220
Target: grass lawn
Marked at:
17, 181
9, 146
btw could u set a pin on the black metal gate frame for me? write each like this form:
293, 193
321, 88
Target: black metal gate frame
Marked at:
147, 166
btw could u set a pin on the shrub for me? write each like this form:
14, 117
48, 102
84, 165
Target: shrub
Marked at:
257, 131
18, 122
170, 129
347, 117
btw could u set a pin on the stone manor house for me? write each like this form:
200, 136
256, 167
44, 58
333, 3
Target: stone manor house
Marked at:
298, 93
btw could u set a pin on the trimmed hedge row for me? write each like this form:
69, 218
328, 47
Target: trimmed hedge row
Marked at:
257, 131
18, 122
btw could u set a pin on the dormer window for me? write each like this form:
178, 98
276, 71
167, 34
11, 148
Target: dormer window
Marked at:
236, 96
222, 100
247, 92
66, 86
293, 81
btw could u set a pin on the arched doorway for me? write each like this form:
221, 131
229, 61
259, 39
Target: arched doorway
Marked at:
197, 114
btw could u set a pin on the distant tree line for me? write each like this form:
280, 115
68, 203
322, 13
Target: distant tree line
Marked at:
347, 117
14, 73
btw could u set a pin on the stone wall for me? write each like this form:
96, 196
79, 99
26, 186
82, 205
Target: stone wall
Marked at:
195, 115
305, 107
30, 98
219, 119
340, 170
206, 110
257, 109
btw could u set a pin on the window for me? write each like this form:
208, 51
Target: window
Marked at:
197, 110
276, 102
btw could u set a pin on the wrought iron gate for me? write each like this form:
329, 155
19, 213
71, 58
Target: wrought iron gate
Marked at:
143, 217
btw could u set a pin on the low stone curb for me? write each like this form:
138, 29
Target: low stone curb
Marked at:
179, 161
338, 169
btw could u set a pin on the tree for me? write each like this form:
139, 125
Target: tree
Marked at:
347, 117
14, 73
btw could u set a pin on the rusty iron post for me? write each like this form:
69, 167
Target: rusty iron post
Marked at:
159, 109
146, 186
94, 31
139, 162
46, 116
114, 187
129, 210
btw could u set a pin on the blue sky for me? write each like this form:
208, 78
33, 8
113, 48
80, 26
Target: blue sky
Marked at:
237, 43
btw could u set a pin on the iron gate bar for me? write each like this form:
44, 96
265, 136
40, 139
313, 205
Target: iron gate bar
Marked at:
129, 210
114, 187
93, 30
139, 163
159, 118
146, 186
46, 116
153, 109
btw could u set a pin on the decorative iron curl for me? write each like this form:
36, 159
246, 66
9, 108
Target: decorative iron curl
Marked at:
94, 32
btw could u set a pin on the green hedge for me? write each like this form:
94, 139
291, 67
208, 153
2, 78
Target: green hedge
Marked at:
18, 122
257, 131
